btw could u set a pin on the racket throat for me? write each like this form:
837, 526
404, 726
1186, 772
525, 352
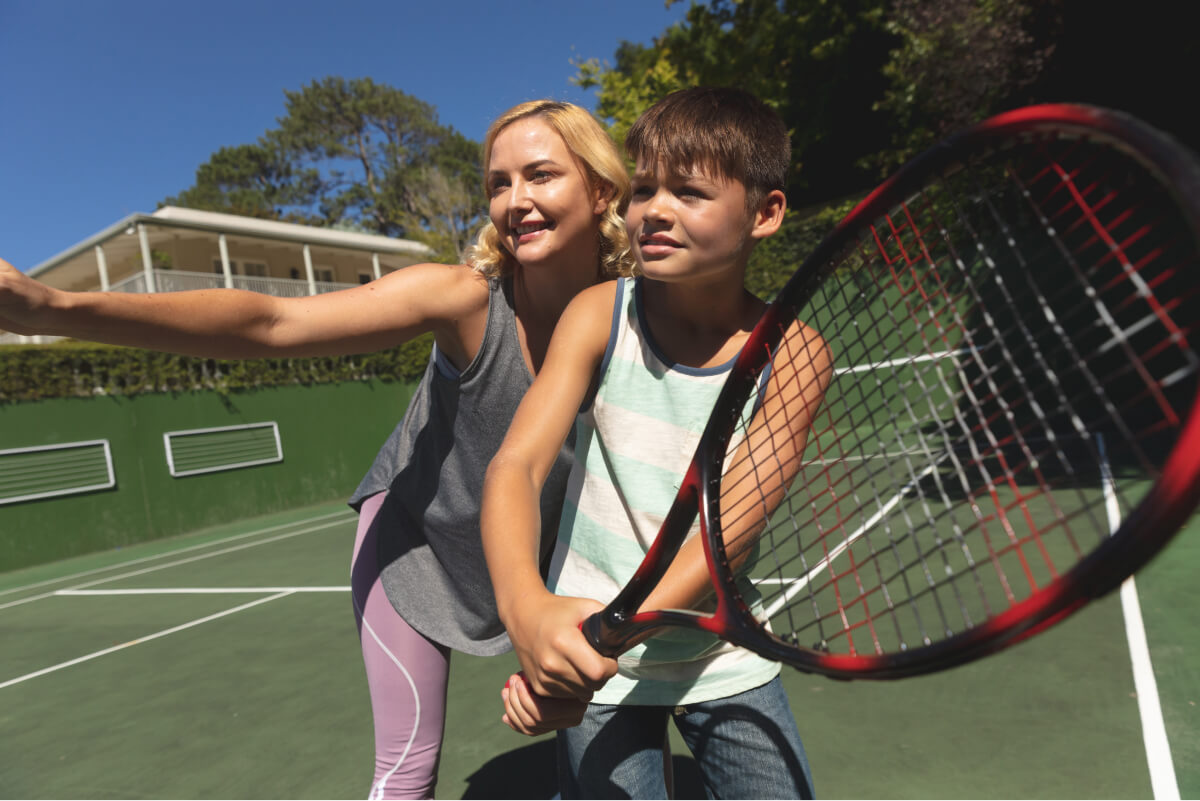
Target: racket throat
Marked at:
612, 633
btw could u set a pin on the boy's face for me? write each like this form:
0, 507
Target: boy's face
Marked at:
687, 226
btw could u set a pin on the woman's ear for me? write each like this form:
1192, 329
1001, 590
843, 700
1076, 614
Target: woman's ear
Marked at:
769, 214
604, 192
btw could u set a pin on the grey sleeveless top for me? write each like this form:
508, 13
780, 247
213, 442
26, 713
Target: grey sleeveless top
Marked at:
430, 553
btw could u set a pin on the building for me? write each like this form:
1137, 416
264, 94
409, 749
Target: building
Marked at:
175, 249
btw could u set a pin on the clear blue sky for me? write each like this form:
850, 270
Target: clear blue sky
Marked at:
106, 108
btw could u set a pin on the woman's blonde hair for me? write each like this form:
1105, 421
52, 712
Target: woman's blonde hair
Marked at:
597, 153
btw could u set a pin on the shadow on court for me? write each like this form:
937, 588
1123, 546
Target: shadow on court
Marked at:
526, 772
529, 772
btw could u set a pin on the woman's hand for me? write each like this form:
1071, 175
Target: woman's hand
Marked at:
24, 302
526, 712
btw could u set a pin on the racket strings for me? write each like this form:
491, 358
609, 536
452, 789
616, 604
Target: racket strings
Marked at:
1109, 235
1011, 346
1025, 392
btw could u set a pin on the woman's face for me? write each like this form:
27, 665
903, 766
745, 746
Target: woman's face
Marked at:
539, 197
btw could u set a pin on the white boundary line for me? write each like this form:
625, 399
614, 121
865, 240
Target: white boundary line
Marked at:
143, 571
141, 640
1154, 732
119, 565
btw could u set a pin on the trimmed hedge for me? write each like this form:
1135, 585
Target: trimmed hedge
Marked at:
70, 369
776, 258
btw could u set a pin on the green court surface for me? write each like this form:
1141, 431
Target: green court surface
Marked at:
225, 664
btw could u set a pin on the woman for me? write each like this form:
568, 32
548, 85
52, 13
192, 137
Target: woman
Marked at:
557, 189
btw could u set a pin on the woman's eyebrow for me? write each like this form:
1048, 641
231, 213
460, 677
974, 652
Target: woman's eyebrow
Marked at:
533, 165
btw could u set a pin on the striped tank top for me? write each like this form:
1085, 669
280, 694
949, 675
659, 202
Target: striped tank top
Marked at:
632, 448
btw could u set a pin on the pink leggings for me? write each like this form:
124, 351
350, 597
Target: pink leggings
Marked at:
406, 675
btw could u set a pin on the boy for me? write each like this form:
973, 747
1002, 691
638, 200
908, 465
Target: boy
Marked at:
645, 360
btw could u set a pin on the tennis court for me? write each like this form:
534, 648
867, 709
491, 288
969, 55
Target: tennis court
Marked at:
225, 664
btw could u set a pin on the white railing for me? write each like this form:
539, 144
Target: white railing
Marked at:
180, 280
16, 339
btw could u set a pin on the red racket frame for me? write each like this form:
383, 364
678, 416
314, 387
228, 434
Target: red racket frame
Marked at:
1142, 534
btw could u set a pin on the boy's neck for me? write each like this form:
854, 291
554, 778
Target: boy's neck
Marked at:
700, 324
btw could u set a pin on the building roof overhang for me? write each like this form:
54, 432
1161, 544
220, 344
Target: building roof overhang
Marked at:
181, 219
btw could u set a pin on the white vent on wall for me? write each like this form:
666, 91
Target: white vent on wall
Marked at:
48, 471
210, 450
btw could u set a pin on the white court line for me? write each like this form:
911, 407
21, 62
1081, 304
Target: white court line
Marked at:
797, 584
928, 357
145, 570
1154, 731
203, 590
119, 565
140, 640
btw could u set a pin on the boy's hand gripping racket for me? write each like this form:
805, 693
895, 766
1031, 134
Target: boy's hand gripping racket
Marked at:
1010, 428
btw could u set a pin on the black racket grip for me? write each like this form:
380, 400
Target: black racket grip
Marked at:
599, 635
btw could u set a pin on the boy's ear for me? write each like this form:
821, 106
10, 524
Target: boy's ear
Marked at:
769, 215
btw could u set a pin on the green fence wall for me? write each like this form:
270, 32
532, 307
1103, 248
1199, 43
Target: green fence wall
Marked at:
329, 435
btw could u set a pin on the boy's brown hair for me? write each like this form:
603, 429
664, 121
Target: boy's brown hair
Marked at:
724, 131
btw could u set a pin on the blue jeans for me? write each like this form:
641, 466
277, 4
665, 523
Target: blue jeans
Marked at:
747, 746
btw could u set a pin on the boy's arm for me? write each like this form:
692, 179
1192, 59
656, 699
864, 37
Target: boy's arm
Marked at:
227, 323
544, 628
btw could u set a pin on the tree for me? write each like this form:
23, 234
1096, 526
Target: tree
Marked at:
1139, 60
250, 180
641, 77
353, 152
442, 209
958, 62
817, 62
865, 84
442, 201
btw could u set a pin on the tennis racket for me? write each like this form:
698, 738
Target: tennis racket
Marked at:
1010, 426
